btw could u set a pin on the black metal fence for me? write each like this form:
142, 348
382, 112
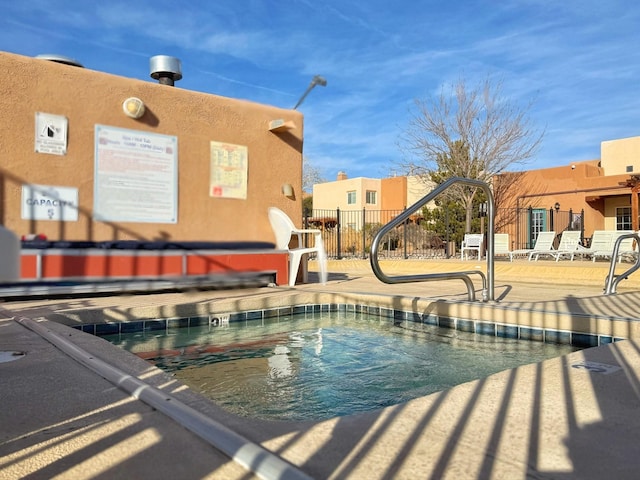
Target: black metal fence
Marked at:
349, 233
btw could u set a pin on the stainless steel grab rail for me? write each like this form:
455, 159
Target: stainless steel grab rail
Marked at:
488, 281
612, 280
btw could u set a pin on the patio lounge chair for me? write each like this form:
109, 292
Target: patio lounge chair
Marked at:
569, 243
601, 241
284, 230
626, 246
502, 245
544, 243
472, 241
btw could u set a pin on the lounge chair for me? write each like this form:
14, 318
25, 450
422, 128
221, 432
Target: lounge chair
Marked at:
544, 243
473, 242
569, 244
626, 246
601, 241
502, 245
284, 230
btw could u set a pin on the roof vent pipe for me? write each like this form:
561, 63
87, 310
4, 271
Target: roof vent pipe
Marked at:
167, 70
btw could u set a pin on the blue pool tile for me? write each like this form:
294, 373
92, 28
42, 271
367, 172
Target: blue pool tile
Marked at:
465, 325
254, 315
430, 319
88, 329
298, 309
447, 322
155, 325
107, 328
486, 328
584, 340
237, 317
534, 334
177, 323
131, 327
557, 336
507, 331
198, 321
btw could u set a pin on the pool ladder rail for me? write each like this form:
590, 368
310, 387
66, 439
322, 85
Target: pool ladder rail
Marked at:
612, 280
488, 281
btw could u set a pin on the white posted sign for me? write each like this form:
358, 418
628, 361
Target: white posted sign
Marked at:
51, 133
136, 176
45, 202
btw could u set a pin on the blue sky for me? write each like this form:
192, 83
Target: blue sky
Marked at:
579, 61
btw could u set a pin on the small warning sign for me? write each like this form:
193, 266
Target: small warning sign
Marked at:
51, 133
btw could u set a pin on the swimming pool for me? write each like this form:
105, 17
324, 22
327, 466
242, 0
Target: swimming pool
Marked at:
318, 365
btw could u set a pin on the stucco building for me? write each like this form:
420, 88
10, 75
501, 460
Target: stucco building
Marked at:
88, 156
604, 191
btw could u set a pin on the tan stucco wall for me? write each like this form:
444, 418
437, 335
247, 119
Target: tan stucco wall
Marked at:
619, 154
88, 98
393, 193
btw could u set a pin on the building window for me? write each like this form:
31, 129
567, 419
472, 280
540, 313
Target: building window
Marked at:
623, 218
371, 197
629, 168
351, 197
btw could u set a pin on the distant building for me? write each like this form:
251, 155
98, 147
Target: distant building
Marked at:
605, 189
386, 197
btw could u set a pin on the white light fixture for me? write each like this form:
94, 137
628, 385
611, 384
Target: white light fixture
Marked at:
287, 190
133, 107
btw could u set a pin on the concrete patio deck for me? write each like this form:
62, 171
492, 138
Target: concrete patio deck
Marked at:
571, 417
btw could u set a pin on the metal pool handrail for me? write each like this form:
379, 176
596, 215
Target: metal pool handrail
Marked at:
612, 279
487, 281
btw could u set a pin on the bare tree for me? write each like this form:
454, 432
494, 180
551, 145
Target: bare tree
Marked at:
310, 176
470, 133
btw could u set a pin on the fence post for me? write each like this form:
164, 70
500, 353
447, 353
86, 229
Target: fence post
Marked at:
530, 239
338, 234
446, 230
404, 236
364, 234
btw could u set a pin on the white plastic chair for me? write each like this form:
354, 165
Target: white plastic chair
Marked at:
284, 229
473, 242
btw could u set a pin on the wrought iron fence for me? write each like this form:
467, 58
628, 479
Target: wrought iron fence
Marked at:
349, 233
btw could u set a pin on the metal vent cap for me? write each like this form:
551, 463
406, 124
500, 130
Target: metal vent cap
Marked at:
165, 69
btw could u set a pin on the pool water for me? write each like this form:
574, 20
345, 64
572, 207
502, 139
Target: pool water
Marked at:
322, 365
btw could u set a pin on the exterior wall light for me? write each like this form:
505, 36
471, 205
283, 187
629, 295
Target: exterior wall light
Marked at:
133, 107
557, 206
287, 190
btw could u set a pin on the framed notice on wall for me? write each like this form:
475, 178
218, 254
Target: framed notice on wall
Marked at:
229, 165
136, 176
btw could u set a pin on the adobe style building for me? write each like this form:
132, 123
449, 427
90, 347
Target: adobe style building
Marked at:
386, 196
89, 156
606, 190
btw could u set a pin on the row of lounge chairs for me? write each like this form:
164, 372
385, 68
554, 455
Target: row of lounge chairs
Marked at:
601, 246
